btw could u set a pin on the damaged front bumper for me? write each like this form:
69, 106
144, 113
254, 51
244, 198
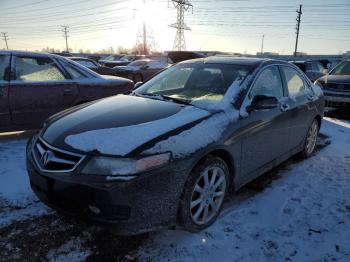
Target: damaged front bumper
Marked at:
146, 203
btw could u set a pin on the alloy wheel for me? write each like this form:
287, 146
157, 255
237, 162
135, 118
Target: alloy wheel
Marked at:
311, 138
208, 195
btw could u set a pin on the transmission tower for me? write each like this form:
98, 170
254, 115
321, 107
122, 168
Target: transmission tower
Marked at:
181, 6
5, 37
145, 39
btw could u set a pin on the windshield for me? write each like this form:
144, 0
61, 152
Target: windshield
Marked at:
194, 81
112, 58
87, 63
342, 69
126, 58
138, 63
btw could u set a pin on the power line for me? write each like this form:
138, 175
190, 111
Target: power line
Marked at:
65, 34
5, 38
181, 6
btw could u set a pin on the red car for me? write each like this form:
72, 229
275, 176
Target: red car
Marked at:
34, 86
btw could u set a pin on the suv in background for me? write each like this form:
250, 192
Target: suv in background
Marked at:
312, 69
336, 86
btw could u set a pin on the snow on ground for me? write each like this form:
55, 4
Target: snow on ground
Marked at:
302, 214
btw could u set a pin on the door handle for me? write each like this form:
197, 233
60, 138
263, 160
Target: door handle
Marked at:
285, 107
311, 97
68, 92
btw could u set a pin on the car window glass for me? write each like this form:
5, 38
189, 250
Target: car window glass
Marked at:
155, 64
75, 73
176, 80
295, 83
87, 63
342, 69
319, 67
37, 69
2, 67
268, 83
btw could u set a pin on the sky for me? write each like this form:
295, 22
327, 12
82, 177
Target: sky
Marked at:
220, 25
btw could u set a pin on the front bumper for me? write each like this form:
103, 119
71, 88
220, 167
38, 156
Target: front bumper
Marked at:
146, 203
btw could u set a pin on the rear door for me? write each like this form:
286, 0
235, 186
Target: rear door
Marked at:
301, 101
5, 119
266, 131
40, 89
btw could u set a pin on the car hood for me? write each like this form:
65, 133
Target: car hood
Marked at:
118, 125
337, 79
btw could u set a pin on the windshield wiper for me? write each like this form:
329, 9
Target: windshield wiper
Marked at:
177, 100
164, 97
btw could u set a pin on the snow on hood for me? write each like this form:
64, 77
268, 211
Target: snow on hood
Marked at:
201, 135
121, 141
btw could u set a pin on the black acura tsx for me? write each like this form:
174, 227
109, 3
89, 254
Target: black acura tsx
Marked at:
170, 152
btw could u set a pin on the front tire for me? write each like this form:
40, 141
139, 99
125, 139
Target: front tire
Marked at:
204, 194
310, 141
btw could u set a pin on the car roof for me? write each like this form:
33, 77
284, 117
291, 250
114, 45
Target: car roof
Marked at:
233, 60
29, 53
80, 58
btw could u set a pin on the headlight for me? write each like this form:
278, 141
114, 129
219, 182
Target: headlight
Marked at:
108, 166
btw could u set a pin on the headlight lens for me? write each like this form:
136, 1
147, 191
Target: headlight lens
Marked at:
108, 166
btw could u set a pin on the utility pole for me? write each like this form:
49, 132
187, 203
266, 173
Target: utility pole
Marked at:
144, 39
299, 12
262, 45
65, 34
181, 6
5, 37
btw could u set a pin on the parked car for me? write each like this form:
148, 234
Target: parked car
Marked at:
312, 69
114, 60
94, 66
336, 86
170, 152
34, 86
140, 70
65, 54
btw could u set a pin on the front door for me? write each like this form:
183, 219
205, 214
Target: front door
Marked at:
5, 119
39, 89
265, 131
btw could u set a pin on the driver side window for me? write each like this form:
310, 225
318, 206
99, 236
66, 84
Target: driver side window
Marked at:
268, 83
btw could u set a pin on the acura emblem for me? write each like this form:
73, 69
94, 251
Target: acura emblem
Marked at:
47, 157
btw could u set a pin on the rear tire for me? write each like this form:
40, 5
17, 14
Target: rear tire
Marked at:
310, 140
204, 194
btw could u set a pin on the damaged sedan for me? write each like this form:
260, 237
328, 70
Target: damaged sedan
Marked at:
169, 153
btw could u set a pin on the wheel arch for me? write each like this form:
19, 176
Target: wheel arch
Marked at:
226, 156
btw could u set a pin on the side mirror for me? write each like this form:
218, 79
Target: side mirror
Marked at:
325, 71
261, 102
137, 85
145, 67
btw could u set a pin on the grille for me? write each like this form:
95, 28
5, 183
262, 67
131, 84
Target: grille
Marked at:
338, 87
51, 159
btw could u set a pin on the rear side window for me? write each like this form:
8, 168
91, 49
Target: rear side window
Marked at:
268, 83
294, 82
75, 73
38, 69
3, 65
